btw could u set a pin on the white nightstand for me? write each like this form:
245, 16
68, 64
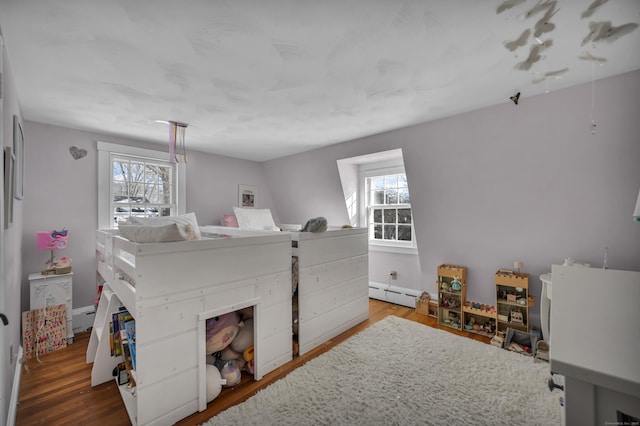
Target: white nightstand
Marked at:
51, 290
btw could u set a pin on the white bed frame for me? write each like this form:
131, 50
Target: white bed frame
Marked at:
333, 285
179, 285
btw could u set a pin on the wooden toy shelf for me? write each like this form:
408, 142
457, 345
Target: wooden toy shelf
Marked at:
512, 300
452, 293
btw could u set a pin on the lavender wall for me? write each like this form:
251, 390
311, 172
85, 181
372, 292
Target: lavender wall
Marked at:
11, 243
62, 192
527, 182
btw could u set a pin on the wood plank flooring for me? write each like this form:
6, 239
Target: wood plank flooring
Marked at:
58, 390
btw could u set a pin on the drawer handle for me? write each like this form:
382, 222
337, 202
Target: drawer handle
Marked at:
5, 321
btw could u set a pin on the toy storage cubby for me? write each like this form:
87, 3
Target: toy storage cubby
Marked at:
452, 293
512, 300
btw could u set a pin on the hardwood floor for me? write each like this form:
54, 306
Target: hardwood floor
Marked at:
58, 390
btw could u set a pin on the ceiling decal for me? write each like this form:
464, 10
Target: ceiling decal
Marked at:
598, 31
541, 76
605, 31
534, 55
515, 98
544, 25
539, 7
520, 41
589, 57
508, 4
592, 8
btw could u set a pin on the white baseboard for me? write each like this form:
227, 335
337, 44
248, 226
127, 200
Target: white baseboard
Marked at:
394, 294
83, 318
15, 390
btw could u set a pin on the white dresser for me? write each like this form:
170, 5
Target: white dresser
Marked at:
594, 324
51, 290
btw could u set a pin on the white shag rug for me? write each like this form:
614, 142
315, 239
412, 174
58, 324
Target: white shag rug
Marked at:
399, 372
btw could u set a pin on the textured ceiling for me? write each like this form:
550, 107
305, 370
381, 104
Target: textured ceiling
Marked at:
267, 78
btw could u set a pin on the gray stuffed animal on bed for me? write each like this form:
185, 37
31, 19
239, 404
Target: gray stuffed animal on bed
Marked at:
317, 224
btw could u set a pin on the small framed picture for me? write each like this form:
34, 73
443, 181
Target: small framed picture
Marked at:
18, 152
247, 195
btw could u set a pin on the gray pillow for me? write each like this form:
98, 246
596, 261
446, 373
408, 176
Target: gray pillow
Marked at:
151, 233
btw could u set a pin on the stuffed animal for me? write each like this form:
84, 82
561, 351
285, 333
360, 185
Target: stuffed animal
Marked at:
228, 354
317, 224
247, 357
231, 374
244, 339
214, 382
221, 330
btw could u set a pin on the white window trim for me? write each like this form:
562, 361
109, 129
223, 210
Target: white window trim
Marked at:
105, 149
377, 169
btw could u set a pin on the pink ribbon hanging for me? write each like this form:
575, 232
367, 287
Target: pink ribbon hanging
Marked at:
172, 141
177, 147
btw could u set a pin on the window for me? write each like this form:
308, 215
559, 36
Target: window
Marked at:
376, 195
389, 209
141, 187
137, 182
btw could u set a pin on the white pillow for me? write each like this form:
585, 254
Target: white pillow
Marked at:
187, 224
151, 233
255, 219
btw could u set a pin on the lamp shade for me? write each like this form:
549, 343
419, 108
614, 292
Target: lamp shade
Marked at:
636, 212
52, 240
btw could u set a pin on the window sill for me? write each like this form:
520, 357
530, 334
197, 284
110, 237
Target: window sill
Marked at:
393, 249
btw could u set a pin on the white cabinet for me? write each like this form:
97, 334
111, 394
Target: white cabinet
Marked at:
333, 283
51, 290
598, 355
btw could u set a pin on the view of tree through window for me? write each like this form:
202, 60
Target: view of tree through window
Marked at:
389, 208
141, 188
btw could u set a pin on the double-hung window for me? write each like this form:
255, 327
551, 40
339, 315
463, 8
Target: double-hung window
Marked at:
387, 208
141, 187
137, 182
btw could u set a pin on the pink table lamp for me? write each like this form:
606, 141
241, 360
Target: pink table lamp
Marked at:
52, 240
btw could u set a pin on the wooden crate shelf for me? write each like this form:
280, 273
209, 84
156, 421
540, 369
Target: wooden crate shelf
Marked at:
450, 298
513, 300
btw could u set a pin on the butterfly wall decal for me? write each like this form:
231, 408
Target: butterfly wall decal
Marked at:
515, 98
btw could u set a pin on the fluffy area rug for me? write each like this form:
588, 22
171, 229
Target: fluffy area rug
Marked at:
398, 372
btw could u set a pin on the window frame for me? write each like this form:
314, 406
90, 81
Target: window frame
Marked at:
106, 151
378, 169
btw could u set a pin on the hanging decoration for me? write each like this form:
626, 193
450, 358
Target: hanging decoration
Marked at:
177, 149
593, 97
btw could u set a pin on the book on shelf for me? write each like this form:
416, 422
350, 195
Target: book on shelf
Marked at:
130, 328
119, 319
126, 356
111, 345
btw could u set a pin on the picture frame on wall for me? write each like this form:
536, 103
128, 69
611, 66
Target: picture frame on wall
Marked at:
9, 160
18, 151
247, 196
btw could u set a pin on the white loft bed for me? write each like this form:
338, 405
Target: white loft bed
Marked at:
333, 283
178, 285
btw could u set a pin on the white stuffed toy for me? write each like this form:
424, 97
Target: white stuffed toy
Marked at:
214, 382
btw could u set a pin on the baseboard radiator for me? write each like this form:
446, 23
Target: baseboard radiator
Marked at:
83, 318
393, 294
